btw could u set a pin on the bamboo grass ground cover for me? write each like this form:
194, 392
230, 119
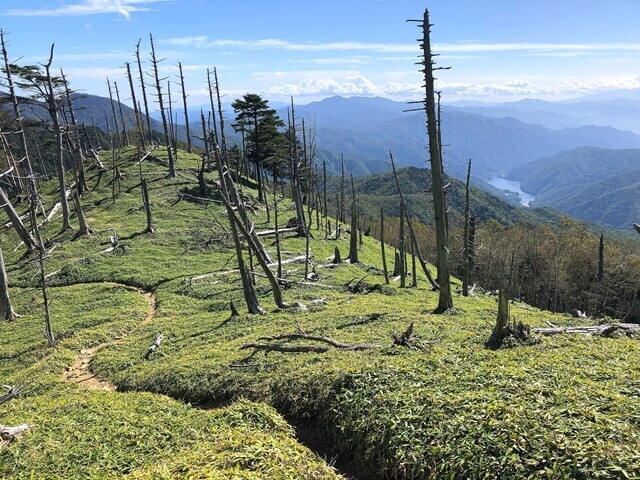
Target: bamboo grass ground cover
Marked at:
566, 407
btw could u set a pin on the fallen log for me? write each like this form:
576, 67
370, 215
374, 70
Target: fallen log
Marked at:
268, 233
603, 330
9, 433
11, 393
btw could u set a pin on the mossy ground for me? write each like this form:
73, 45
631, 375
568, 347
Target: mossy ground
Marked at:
566, 407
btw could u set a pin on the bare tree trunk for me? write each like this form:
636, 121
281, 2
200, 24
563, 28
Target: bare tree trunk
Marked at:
414, 272
147, 206
343, 196
296, 180
465, 236
82, 221
412, 233
353, 238
384, 257
403, 254
601, 259
213, 112
202, 186
165, 125
125, 136
22, 231
326, 209
75, 143
113, 112
445, 299
186, 114
17, 115
275, 219
6, 311
144, 92
52, 107
137, 114
234, 195
48, 330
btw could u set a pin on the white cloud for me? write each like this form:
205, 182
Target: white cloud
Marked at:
86, 7
524, 88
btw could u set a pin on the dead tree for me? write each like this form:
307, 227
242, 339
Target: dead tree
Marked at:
402, 254
601, 259
412, 233
234, 196
147, 206
165, 124
125, 136
6, 311
445, 299
186, 114
82, 221
19, 124
248, 288
353, 236
384, 257
296, 177
22, 231
48, 330
466, 241
324, 193
144, 91
137, 114
75, 142
52, 107
343, 195
114, 117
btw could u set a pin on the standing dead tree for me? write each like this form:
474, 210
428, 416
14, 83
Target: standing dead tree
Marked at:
147, 206
22, 231
467, 241
412, 233
73, 139
144, 92
136, 113
48, 330
186, 113
6, 311
17, 115
353, 236
165, 124
445, 298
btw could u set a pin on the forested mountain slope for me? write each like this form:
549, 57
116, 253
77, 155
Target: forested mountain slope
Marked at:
593, 184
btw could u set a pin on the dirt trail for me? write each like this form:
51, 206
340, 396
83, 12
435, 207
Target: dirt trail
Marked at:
79, 371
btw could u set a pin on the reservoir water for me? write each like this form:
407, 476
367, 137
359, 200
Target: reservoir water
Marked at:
502, 183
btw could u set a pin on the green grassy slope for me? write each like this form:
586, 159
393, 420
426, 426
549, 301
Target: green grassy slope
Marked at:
566, 407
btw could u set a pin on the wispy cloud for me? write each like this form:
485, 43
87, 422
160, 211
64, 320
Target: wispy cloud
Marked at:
556, 49
86, 7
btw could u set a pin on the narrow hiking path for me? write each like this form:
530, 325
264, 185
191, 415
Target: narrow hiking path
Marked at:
79, 371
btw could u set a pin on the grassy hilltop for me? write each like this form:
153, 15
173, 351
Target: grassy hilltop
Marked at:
202, 407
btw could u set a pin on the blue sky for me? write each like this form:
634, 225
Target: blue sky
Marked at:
498, 50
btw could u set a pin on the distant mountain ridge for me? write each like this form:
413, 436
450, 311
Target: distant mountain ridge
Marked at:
364, 130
